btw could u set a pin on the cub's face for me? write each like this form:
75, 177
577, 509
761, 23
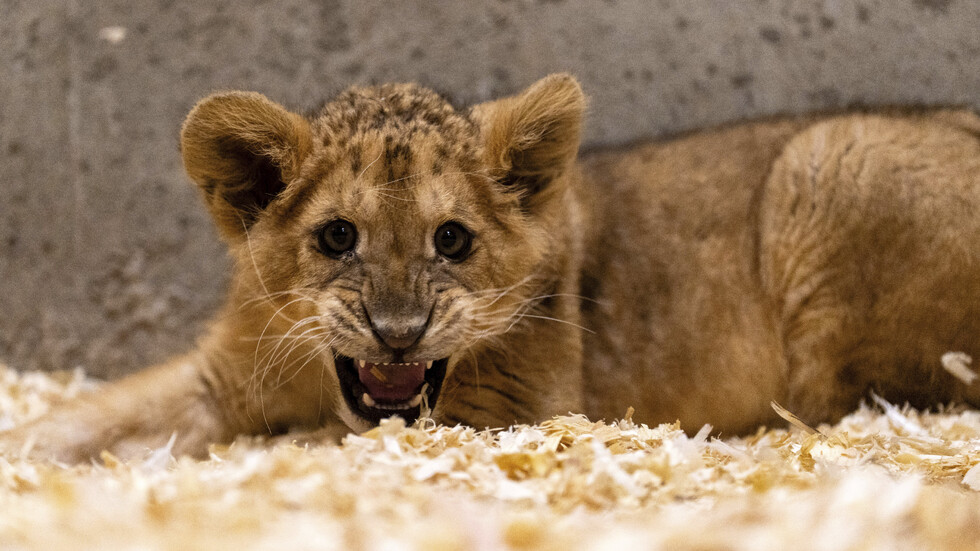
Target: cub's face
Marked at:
389, 232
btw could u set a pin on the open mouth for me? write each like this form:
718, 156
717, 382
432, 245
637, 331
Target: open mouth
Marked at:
379, 390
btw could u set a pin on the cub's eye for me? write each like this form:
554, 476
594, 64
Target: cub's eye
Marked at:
337, 237
453, 241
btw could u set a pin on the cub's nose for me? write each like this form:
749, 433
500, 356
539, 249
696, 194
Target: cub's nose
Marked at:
399, 334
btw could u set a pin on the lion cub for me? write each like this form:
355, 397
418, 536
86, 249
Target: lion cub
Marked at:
395, 255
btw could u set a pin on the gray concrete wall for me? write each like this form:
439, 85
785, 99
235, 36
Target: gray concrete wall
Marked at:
107, 260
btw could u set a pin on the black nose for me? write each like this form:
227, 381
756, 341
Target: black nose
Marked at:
399, 334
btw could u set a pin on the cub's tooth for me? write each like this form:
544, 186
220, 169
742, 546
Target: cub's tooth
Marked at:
428, 364
368, 401
415, 401
385, 363
361, 363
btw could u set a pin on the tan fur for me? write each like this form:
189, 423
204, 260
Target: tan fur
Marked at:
801, 260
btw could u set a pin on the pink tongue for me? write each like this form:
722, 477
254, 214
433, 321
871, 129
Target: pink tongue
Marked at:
392, 382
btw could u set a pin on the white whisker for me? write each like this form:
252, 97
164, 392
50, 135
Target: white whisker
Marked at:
558, 320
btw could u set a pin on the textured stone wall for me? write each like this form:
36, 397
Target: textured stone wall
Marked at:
108, 261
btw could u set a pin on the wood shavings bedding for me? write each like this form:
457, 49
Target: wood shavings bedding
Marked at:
883, 478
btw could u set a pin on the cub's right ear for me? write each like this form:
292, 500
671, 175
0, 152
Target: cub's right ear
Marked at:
242, 150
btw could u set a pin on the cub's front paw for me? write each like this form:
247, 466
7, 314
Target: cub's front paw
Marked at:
10, 445
36, 441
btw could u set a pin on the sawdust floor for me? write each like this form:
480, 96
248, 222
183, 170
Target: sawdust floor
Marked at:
882, 478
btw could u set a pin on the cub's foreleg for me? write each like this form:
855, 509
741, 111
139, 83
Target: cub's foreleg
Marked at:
128, 416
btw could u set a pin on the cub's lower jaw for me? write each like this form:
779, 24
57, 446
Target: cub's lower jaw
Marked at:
377, 391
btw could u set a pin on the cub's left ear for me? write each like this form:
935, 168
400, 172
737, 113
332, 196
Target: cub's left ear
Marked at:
531, 138
242, 150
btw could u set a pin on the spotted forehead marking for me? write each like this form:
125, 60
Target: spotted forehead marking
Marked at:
402, 108
420, 132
